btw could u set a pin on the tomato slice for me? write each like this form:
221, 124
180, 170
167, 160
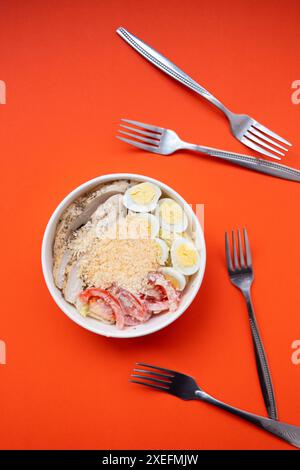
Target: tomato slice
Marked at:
172, 295
90, 295
132, 306
158, 306
154, 293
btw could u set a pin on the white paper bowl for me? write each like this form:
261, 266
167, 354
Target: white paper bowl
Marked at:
156, 322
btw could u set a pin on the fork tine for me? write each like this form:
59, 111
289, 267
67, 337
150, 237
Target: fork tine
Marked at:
259, 149
271, 133
227, 251
150, 148
263, 136
247, 247
139, 137
262, 143
235, 257
158, 387
150, 372
150, 379
148, 134
242, 259
172, 373
145, 126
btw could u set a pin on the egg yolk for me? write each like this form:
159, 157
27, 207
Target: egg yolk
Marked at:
172, 280
171, 212
186, 255
142, 193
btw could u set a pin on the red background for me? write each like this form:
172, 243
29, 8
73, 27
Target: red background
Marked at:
70, 79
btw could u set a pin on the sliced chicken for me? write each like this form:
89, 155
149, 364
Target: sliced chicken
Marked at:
73, 284
108, 213
113, 207
74, 217
106, 201
60, 266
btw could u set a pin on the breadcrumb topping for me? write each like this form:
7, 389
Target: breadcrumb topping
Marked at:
124, 255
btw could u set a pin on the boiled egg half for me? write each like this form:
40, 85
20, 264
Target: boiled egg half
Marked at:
176, 278
142, 197
142, 225
171, 215
163, 250
169, 237
185, 256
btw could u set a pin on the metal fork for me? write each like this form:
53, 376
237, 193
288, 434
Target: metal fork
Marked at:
185, 387
246, 129
241, 274
162, 141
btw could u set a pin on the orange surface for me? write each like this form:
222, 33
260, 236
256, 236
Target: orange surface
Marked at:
69, 80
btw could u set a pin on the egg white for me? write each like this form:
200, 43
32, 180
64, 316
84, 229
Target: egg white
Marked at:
136, 207
177, 275
164, 249
152, 221
187, 270
180, 226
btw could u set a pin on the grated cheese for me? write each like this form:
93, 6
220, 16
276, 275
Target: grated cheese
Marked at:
124, 255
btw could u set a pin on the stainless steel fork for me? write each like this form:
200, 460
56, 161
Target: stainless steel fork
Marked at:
162, 141
241, 274
185, 387
245, 129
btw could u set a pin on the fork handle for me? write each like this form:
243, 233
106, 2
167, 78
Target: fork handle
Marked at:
252, 163
169, 68
287, 432
261, 361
